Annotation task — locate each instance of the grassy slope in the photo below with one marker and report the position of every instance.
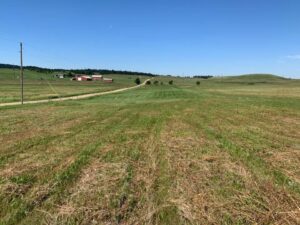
(43, 86)
(254, 85)
(162, 154)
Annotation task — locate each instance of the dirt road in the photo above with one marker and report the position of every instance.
(74, 97)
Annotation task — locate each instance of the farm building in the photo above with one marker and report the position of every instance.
(97, 77)
(108, 80)
(83, 78)
(61, 76)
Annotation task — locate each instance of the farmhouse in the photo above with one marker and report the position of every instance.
(97, 77)
(108, 80)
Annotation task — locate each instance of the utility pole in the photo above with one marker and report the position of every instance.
(21, 74)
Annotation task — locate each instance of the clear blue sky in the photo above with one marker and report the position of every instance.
(182, 37)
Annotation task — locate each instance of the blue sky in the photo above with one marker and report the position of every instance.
(180, 37)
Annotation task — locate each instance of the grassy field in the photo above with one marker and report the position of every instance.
(224, 152)
(45, 86)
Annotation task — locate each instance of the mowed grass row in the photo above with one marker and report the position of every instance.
(161, 154)
(44, 86)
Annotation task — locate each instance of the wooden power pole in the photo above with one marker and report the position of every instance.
(21, 73)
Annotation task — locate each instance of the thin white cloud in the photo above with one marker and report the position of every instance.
(293, 56)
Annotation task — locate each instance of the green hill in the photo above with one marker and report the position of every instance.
(13, 74)
(251, 78)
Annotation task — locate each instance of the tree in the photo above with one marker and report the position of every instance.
(156, 82)
(137, 81)
(171, 82)
(198, 82)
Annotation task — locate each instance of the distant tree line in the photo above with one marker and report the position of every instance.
(103, 71)
(91, 71)
(77, 71)
(8, 66)
(33, 68)
(203, 76)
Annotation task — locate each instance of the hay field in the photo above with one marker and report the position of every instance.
(224, 152)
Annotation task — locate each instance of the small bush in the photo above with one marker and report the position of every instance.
(137, 81)
(148, 82)
(171, 82)
(161, 83)
(156, 82)
(198, 82)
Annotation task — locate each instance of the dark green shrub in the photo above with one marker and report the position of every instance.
(171, 82)
(198, 82)
(137, 81)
